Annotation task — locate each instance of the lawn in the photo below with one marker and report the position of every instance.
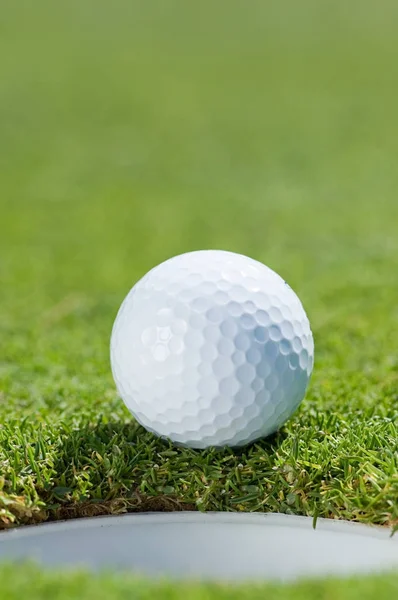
(133, 131)
(36, 585)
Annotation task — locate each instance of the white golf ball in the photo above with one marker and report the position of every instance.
(212, 348)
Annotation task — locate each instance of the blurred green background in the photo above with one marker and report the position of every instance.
(135, 130)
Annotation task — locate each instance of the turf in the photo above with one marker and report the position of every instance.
(135, 131)
(42, 585)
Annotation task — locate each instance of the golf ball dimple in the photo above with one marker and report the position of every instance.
(212, 348)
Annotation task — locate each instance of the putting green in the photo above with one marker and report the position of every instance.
(137, 131)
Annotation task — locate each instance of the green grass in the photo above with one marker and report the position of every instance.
(138, 130)
(42, 585)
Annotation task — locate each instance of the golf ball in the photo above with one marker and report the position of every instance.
(212, 348)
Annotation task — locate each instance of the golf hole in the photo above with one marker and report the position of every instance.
(213, 546)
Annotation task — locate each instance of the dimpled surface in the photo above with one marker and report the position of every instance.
(211, 348)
